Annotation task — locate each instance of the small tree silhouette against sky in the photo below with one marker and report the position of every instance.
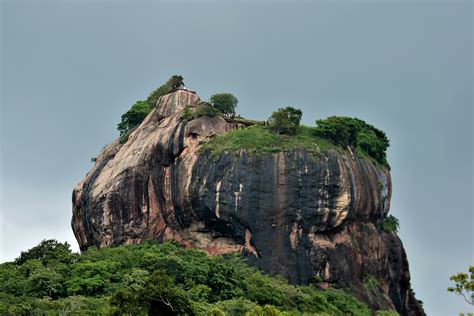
(464, 285)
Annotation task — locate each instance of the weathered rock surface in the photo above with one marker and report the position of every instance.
(291, 213)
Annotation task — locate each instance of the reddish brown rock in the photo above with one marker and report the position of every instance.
(291, 213)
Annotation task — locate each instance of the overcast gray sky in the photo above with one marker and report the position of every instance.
(71, 68)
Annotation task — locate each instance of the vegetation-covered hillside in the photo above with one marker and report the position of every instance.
(155, 279)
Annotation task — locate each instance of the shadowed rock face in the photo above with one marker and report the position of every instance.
(291, 213)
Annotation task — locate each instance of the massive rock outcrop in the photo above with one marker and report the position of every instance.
(306, 217)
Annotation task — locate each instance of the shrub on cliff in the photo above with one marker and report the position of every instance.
(202, 109)
(348, 131)
(225, 103)
(206, 109)
(219, 104)
(171, 85)
(137, 113)
(285, 120)
(390, 224)
(134, 116)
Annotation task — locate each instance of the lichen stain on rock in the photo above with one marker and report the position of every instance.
(291, 213)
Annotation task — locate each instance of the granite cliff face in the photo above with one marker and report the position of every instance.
(292, 213)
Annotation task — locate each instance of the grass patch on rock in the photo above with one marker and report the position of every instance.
(260, 139)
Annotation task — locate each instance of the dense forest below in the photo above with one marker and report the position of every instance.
(156, 279)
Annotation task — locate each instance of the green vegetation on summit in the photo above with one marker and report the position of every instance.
(137, 113)
(282, 131)
(171, 85)
(261, 139)
(225, 103)
(158, 279)
(285, 120)
(220, 104)
(348, 131)
(202, 109)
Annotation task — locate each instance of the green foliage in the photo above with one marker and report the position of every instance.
(347, 131)
(149, 277)
(134, 116)
(266, 310)
(386, 313)
(390, 224)
(464, 285)
(202, 109)
(371, 282)
(123, 138)
(225, 103)
(160, 293)
(13, 279)
(346, 303)
(262, 140)
(46, 251)
(72, 305)
(205, 109)
(188, 114)
(93, 278)
(239, 306)
(341, 130)
(285, 134)
(367, 140)
(171, 85)
(45, 282)
(286, 120)
(137, 113)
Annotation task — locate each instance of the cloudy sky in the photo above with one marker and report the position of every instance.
(70, 69)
